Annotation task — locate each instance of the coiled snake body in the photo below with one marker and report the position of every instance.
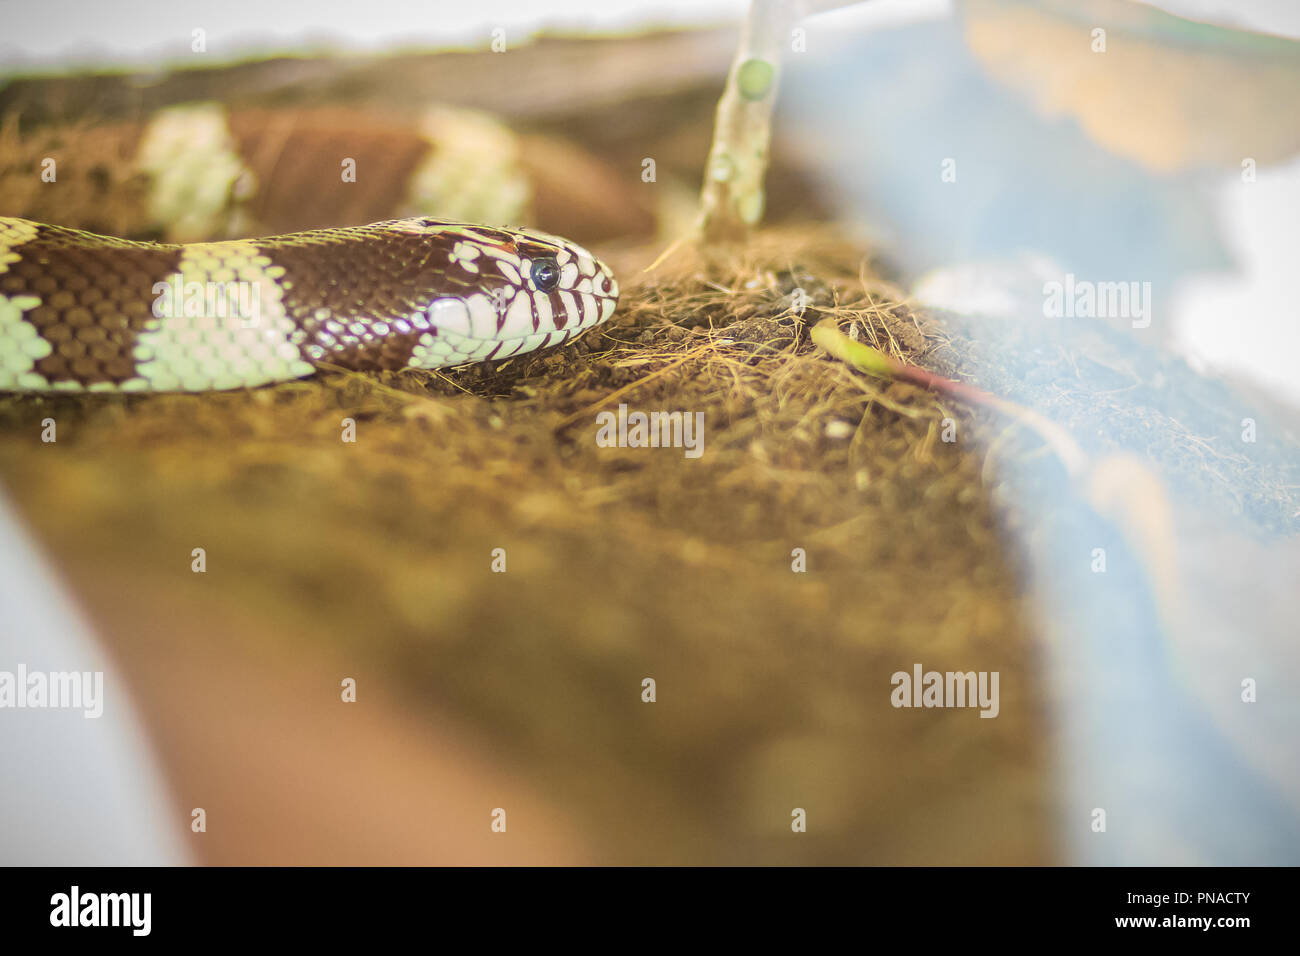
(79, 311)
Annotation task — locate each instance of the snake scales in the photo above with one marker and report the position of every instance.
(81, 311)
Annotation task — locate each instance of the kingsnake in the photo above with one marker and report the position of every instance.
(82, 311)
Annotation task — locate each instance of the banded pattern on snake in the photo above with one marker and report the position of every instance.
(79, 311)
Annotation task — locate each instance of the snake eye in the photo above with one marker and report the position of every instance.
(546, 274)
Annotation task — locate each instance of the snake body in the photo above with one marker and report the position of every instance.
(80, 311)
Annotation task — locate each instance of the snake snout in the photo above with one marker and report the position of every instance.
(604, 282)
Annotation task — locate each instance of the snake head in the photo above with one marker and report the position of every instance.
(522, 290)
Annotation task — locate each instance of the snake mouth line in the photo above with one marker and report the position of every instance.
(444, 347)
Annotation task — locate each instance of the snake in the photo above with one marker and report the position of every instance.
(81, 311)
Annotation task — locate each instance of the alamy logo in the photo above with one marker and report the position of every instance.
(651, 430)
(946, 689)
(216, 300)
(1098, 300)
(103, 909)
(53, 690)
